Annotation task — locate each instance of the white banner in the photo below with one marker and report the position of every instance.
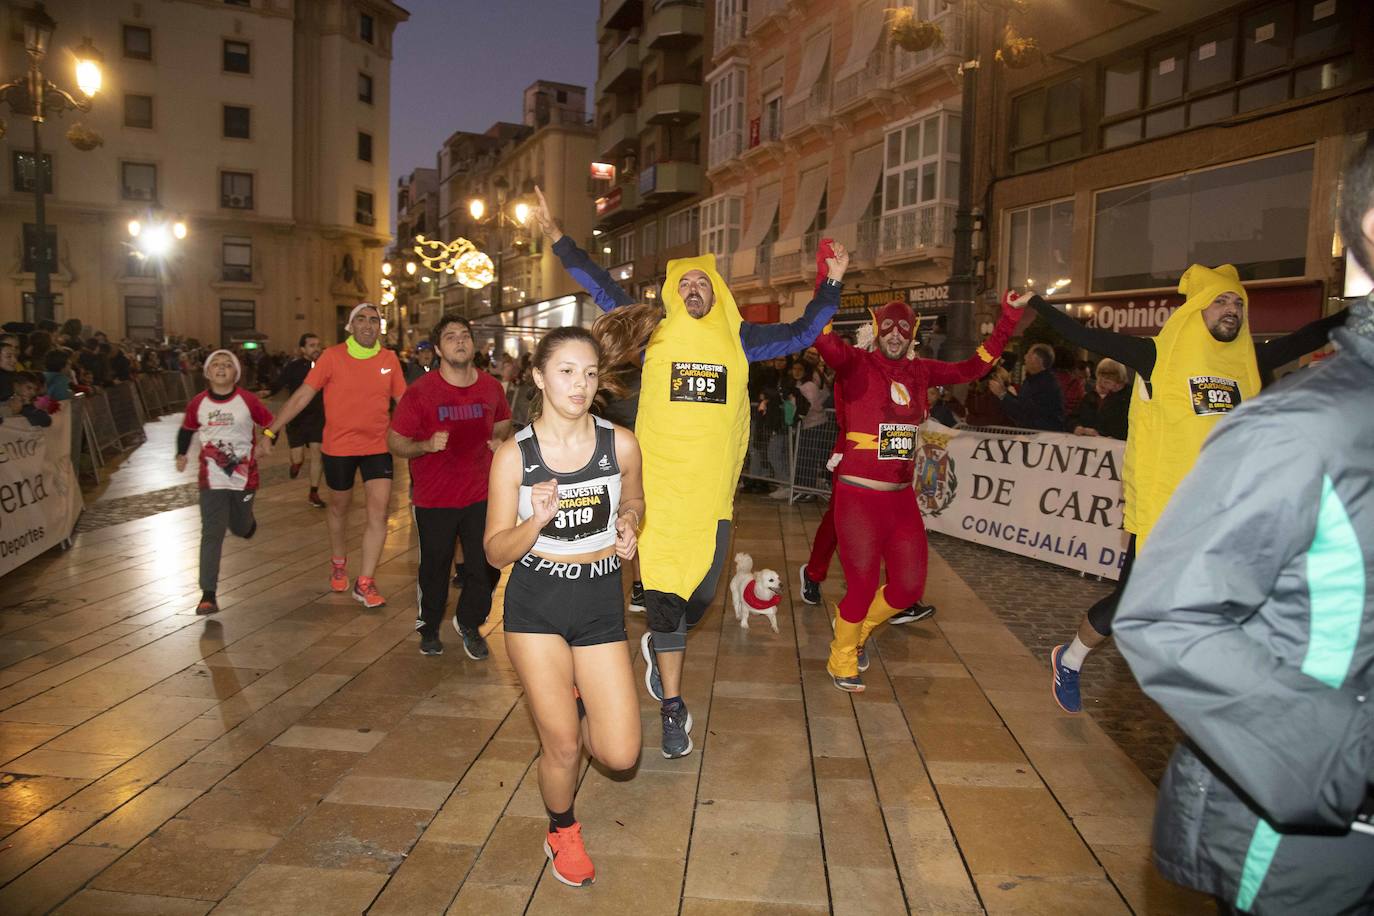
(39, 497)
(1052, 496)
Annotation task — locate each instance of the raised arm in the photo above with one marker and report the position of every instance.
(1136, 353)
(976, 366)
(767, 341)
(1311, 336)
(589, 275)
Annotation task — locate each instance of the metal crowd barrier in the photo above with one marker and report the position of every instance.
(110, 421)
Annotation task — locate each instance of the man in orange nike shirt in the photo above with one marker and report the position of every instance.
(360, 379)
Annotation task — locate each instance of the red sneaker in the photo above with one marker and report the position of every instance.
(569, 857)
(338, 576)
(314, 500)
(365, 591)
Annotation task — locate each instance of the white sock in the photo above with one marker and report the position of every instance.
(1074, 656)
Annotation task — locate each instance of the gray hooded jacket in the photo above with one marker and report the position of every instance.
(1249, 617)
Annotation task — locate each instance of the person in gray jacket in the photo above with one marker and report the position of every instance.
(1250, 620)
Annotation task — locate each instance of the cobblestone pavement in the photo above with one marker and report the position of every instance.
(1042, 604)
(105, 512)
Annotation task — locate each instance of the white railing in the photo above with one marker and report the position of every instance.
(763, 10)
(858, 85)
(729, 31)
(867, 247)
(923, 227)
(786, 265)
(811, 110)
(906, 64)
(725, 147)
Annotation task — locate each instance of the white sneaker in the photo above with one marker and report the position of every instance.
(781, 493)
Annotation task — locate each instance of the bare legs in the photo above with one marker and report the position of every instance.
(377, 493)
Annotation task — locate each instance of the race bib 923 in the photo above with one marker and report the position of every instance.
(1213, 394)
(697, 383)
(896, 441)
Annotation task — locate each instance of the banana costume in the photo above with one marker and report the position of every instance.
(1197, 380)
(693, 430)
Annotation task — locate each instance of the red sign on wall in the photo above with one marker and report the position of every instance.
(609, 203)
(755, 128)
(1273, 310)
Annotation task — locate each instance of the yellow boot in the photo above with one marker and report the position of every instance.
(844, 660)
(878, 613)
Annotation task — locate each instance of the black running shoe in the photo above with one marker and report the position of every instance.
(913, 614)
(473, 643)
(637, 597)
(431, 645)
(810, 588)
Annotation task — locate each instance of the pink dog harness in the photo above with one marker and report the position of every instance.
(756, 603)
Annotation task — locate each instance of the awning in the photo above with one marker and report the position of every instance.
(868, 31)
(865, 171)
(761, 218)
(813, 62)
(810, 189)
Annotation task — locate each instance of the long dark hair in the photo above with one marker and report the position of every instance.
(623, 334)
(549, 345)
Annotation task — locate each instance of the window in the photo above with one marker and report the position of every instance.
(920, 183)
(34, 254)
(720, 224)
(648, 238)
(682, 227)
(364, 146)
(237, 259)
(1047, 125)
(143, 317)
(237, 57)
(236, 190)
(138, 111)
(26, 298)
(238, 122)
(26, 173)
(236, 316)
(727, 116)
(1146, 235)
(364, 88)
(1264, 57)
(138, 181)
(362, 203)
(622, 248)
(138, 42)
(770, 127)
(366, 28)
(1039, 242)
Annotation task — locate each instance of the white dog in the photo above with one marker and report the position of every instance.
(755, 592)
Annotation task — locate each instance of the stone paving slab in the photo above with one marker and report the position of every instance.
(296, 754)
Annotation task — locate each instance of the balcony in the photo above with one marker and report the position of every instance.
(918, 232)
(810, 112)
(867, 248)
(620, 14)
(725, 148)
(761, 12)
(910, 66)
(675, 24)
(671, 103)
(667, 181)
(729, 32)
(785, 267)
(853, 90)
(620, 72)
(619, 206)
(620, 135)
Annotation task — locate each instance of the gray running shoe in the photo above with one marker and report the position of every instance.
(677, 731)
(849, 684)
(652, 682)
(473, 643)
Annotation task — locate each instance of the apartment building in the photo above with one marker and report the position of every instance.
(650, 137)
(418, 305)
(553, 147)
(262, 124)
(820, 127)
(1153, 137)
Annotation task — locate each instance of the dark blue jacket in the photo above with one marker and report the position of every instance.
(760, 341)
(1040, 403)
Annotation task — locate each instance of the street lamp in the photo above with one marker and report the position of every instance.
(34, 96)
(518, 215)
(156, 239)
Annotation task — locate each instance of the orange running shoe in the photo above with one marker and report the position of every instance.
(365, 591)
(338, 576)
(569, 857)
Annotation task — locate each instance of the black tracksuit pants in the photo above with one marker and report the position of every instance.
(439, 530)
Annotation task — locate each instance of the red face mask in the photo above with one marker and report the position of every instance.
(896, 315)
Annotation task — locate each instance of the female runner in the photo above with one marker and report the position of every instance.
(564, 505)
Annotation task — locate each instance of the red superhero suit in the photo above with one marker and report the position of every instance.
(884, 402)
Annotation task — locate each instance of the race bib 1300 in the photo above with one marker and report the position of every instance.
(896, 441)
(697, 383)
(1212, 394)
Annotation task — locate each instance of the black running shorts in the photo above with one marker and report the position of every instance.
(341, 470)
(581, 602)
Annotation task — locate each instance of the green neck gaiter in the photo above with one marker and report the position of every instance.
(358, 351)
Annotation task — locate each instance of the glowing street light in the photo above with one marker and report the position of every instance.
(522, 212)
(386, 269)
(477, 207)
(135, 227)
(411, 268)
(89, 76)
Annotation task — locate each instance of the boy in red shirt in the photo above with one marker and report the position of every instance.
(448, 423)
(227, 418)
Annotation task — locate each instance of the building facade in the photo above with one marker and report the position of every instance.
(651, 137)
(552, 148)
(417, 304)
(262, 124)
(1144, 141)
(821, 127)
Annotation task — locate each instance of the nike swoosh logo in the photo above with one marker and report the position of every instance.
(385, 371)
(531, 468)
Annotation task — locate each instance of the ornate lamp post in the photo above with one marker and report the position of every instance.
(478, 210)
(34, 96)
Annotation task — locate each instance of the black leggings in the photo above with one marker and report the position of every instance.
(1100, 615)
(671, 616)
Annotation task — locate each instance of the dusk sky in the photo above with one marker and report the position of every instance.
(463, 64)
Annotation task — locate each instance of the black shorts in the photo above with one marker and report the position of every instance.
(581, 602)
(299, 435)
(340, 470)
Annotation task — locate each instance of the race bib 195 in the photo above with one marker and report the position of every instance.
(582, 512)
(1212, 394)
(697, 383)
(896, 441)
